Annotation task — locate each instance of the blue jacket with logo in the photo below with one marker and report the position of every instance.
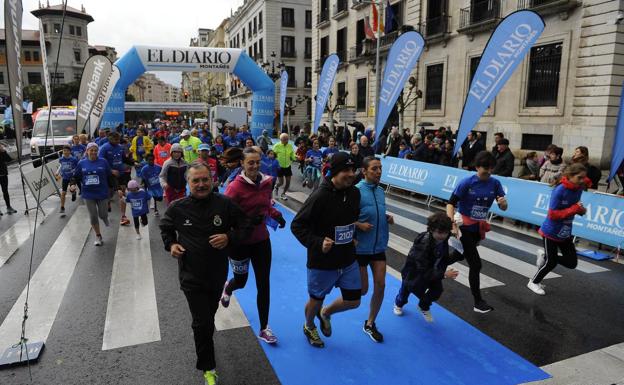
(562, 208)
(373, 211)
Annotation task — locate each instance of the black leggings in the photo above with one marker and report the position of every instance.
(260, 256)
(203, 306)
(470, 240)
(4, 183)
(568, 257)
(143, 219)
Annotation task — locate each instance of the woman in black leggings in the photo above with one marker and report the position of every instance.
(252, 190)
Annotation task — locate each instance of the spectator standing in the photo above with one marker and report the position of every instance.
(550, 172)
(471, 147)
(581, 155)
(504, 159)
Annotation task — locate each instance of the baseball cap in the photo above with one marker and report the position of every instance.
(341, 161)
(133, 184)
(204, 147)
(185, 133)
(504, 141)
(175, 147)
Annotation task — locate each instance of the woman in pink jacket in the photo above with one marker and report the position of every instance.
(252, 191)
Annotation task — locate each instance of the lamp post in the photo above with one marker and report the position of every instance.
(288, 109)
(271, 70)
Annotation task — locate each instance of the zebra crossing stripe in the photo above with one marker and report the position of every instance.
(48, 284)
(132, 312)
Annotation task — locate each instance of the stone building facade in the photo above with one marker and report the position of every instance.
(149, 88)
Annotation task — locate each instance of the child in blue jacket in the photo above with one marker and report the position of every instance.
(139, 203)
(565, 204)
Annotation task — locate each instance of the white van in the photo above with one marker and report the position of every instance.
(62, 128)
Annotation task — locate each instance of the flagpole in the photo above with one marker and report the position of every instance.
(377, 71)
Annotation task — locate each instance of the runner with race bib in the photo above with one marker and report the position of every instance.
(474, 195)
(150, 174)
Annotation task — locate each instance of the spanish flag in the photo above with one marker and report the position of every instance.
(375, 19)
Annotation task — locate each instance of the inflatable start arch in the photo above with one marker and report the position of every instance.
(205, 59)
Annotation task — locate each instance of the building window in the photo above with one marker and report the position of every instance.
(308, 19)
(260, 49)
(536, 142)
(60, 76)
(433, 93)
(292, 81)
(308, 77)
(288, 46)
(77, 76)
(78, 31)
(260, 21)
(361, 95)
(474, 64)
(36, 56)
(324, 47)
(308, 47)
(544, 68)
(249, 29)
(288, 17)
(255, 51)
(255, 25)
(250, 51)
(243, 35)
(27, 56)
(397, 21)
(72, 30)
(341, 44)
(57, 28)
(77, 55)
(34, 78)
(341, 89)
(360, 36)
(45, 28)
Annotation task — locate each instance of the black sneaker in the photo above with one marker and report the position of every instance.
(313, 337)
(372, 332)
(482, 307)
(62, 212)
(325, 323)
(73, 196)
(11, 210)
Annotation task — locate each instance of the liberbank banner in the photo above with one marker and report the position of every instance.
(505, 50)
(194, 59)
(528, 201)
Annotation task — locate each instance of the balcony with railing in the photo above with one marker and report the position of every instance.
(289, 54)
(359, 53)
(549, 7)
(291, 83)
(322, 19)
(340, 9)
(482, 15)
(342, 56)
(436, 29)
(386, 41)
(359, 5)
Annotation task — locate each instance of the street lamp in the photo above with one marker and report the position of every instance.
(288, 109)
(217, 92)
(273, 74)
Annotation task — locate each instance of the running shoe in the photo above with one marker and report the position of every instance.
(541, 258)
(267, 336)
(397, 310)
(210, 376)
(225, 299)
(138, 237)
(124, 221)
(305, 183)
(427, 315)
(156, 213)
(372, 332)
(325, 323)
(482, 307)
(313, 337)
(74, 196)
(284, 197)
(109, 207)
(62, 212)
(11, 210)
(98, 240)
(536, 288)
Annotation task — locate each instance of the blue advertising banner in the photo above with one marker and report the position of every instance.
(617, 152)
(401, 61)
(505, 50)
(528, 201)
(283, 85)
(325, 83)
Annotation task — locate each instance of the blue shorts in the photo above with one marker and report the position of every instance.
(321, 282)
(155, 192)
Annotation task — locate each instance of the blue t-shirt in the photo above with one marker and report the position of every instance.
(113, 155)
(317, 158)
(476, 196)
(561, 198)
(328, 152)
(219, 148)
(403, 153)
(139, 202)
(78, 150)
(101, 141)
(269, 166)
(243, 136)
(231, 142)
(132, 132)
(150, 176)
(93, 176)
(205, 139)
(139, 145)
(67, 167)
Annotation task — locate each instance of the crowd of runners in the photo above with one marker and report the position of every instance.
(343, 224)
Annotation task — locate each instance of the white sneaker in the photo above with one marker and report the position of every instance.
(536, 288)
(98, 240)
(138, 237)
(541, 258)
(284, 197)
(397, 310)
(427, 315)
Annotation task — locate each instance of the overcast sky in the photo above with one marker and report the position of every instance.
(124, 23)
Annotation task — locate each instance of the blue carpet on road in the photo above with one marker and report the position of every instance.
(449, 351)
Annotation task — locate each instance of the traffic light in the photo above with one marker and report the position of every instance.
(186, 94)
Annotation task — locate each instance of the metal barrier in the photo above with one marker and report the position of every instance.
(40, 180)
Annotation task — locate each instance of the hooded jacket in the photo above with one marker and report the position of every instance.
(321, 213)
(254, 198)
(373, 211)
(190, 222)
(173, 174)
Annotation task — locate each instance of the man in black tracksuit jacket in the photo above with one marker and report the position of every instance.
(325, 225)
(199, 231)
